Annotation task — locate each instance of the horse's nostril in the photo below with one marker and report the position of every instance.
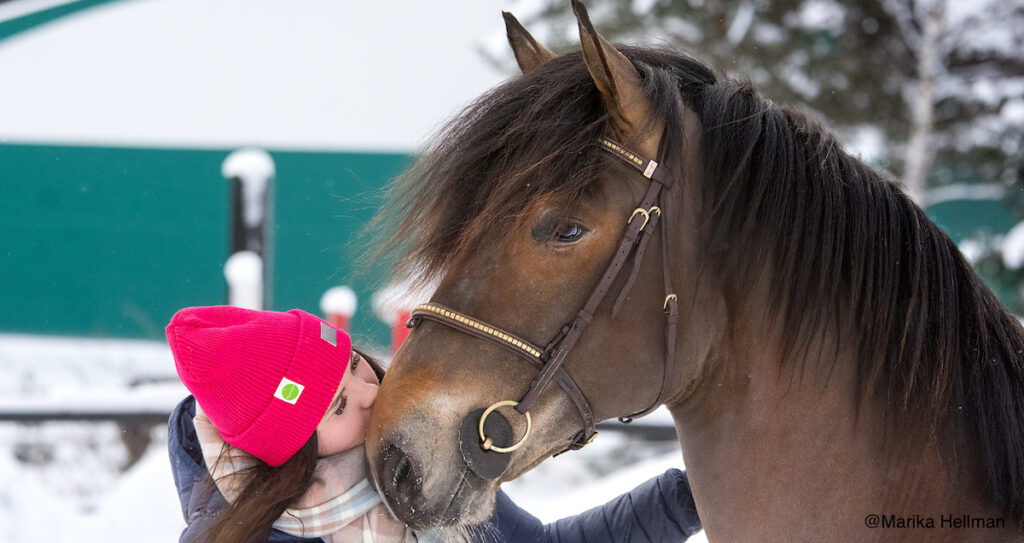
(401, 480)
(402, 470)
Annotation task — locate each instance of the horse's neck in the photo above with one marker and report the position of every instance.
(786, 457)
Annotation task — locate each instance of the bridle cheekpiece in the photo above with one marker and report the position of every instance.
(487, 458)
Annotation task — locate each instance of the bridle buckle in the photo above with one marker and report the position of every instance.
(669, 298)
(640, 211)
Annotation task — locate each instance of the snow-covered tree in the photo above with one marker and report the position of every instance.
(932, 90)
(933, 80)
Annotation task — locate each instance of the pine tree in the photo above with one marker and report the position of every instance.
(858, 64)
(939, 84)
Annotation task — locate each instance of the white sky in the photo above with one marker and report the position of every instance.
(309, 74)
(12, 9)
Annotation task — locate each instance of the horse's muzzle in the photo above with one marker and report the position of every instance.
(452, 501)
(400, 481)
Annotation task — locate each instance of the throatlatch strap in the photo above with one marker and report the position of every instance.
(671, 303)
(671, 308)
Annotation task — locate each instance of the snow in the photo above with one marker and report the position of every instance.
(643, 6)
(393, 300)
(959, 12)
(244, 273)
(768, 33)
(865, 142)
(82, 495)
(820, 14)
(1013, 111)
(991, 92)
(254, 168)
(35, 366)
(963, 191)
(1013, 247)
(685, 29)
(142, 502)
(148, 484)
(740, 23)
(149, 398)
(573, 473)
(76, 473)
(339, 301)
(974, 249)
(984, 33)
(797, 77)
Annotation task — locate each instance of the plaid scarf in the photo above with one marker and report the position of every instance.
(340, 506)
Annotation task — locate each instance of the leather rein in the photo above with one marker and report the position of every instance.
(551, 358)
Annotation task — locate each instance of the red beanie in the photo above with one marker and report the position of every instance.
(264, 378)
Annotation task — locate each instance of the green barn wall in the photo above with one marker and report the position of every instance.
(109, 242)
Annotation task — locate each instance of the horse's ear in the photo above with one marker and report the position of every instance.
(529, 52)
(618, 80)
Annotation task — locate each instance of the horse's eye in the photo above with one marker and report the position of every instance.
(554, 229)
(568, 232)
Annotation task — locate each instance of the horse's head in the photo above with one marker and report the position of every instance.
(819, 329)
(519, 210)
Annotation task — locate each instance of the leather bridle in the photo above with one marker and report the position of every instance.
(550, 359)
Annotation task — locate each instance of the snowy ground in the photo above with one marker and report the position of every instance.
(68, 481)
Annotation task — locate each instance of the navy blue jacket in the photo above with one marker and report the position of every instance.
(660, 510)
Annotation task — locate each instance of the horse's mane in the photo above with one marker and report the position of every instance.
(845, 247)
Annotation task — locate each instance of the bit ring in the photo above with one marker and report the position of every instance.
(487, 443)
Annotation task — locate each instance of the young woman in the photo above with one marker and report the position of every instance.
(269, 447)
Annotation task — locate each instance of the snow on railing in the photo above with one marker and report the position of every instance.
(150, 403)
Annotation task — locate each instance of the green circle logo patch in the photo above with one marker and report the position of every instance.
(290, 392)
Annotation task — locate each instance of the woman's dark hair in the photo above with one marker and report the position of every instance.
(267, 491)
(377, 366)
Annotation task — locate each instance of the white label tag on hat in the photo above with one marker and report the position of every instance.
(328, 334)
(288, 391)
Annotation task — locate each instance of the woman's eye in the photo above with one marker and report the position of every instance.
(341, 405)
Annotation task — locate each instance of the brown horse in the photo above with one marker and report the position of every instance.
(837, 373)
